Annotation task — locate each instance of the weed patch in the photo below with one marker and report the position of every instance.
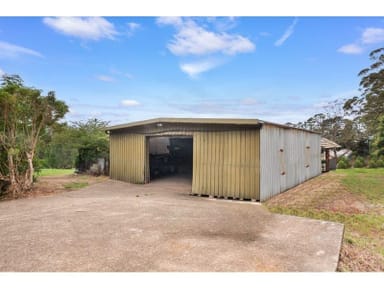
(75, 185)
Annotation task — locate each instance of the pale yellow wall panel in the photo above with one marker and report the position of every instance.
(244, 161)
(220, 179)
(226, 164)
(127, 157)
(238, 163)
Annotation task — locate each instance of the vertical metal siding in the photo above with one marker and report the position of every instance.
(128, 157)
(226, 164)
(287, 158)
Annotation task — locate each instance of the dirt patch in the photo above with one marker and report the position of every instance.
(325, 192)
(357, 259)
(57, 184)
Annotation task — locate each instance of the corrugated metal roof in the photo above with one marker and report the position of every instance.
(188, 121)
(215, 121)
(328, 144)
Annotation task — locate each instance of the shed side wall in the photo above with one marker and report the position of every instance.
(226, 164)
(127, 157)
(288, 157)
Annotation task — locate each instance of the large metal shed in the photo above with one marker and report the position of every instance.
(232, 158)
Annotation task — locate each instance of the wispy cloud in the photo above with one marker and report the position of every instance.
(176, 21)
(372, 36)
(119, 73)
(193, 39)
(369, 36)
(249, 101)
(8, 50)
(85, 28)
(105, 78)
(223, 23)
(288, 33)
(128, 75)
(193, 69)
(117, 112)
(129, 103)
(1, 72)
(132, 27)
(350, 49)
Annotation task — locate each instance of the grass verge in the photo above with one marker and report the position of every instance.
(366, 182)
(354, 197)
(55, 172)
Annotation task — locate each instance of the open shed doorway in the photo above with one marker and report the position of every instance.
(171, 157)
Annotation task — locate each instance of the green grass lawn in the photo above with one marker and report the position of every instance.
(367, 182)
(333, 198)
(55, 172)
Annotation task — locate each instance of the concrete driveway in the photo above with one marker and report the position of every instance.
(116, 226)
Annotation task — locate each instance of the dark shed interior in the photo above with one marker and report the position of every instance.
(169, 156)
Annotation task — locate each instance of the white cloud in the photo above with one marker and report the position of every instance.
(192, 39)
(129, 103)
(372, 35)
(287, 33)
(369, 36)
(105, 78)
(176, 21)
(8, 50)
(86, 28)
(132, 27)
(1, 72)
(350, 49)
(194, 69)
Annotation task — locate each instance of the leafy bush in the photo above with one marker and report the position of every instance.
(343, 163)
(380, 162)
(359, 162)
(372, 163)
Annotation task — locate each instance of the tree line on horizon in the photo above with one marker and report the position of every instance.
(356, 123)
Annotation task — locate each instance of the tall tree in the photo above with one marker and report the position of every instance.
(369, 107)
(24, 114)
(378, 140)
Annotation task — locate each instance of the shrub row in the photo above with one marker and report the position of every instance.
(360, 162)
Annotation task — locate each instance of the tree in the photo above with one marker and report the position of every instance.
(93, 140)
(58, 146)
(333, 124)
(24, 114)
(378, 140)
(79, 143)
(369, 107)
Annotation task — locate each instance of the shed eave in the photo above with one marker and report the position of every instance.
(328, 144)
(219, 121)
(214, 121)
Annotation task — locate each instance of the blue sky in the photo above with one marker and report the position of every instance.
(122, 69)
